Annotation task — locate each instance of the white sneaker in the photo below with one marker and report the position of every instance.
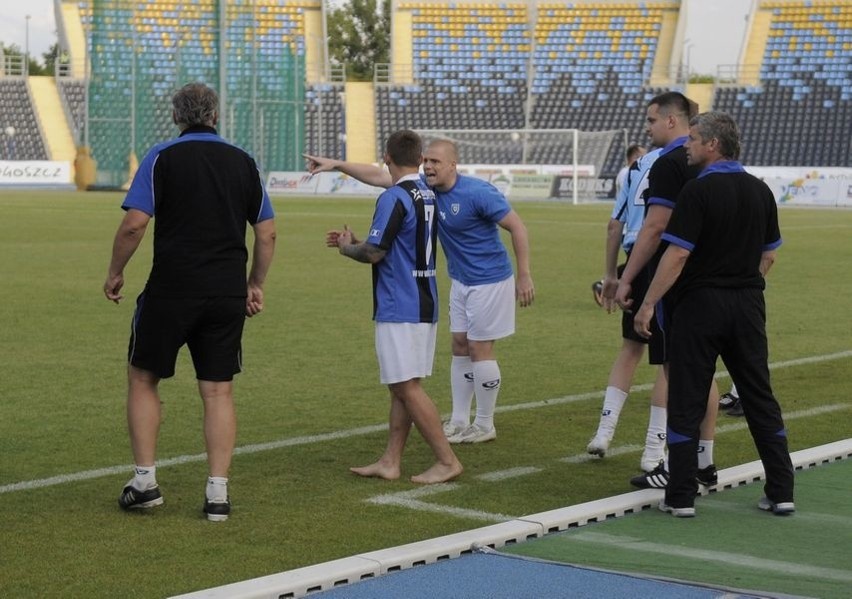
(474, 434)
(677, 512)
(781, 509)
(598, 445)
(452, 428)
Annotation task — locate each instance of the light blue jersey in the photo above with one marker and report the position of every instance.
(467, 227)
(630, 204)
(404, 288)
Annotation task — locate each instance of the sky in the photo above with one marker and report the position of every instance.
(714, 37)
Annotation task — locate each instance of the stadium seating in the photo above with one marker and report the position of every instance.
(482, 66)
(16, 111)
(73, 95)
(325, 127)
(801, 114)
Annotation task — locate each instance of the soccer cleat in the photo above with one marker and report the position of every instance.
(784, 508)
(598, 445)
(217, 510)
(677, 512)
(132, 498)
(452, 429)
(474, 434)
(597, 292)
(657, 478)
(707, 476)
(728, 400)
(736, 409)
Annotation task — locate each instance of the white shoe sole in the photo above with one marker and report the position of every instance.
(677, 512)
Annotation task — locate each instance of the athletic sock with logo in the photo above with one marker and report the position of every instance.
(144, 478)
(705, 453)
(614, 399)
(217, 488)
(461, 385)
(486, 384)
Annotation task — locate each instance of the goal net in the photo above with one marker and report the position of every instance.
(578, 158)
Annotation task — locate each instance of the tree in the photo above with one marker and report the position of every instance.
(14, 51)
(359, 37)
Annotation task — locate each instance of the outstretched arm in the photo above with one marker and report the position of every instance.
(365, 173)
(127, 239)
(524, 288)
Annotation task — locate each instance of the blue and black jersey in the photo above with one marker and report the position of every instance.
(404, 287)
(201, 192)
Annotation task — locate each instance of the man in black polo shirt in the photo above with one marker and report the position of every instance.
(718, 309)
(202, 192)
(667, 124)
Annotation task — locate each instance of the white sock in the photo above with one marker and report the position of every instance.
(614, 399)
(486, 384)
(733, 390)
(705, 453)
(461, 385)
(656, 435)
(144, 478)
(217, 488)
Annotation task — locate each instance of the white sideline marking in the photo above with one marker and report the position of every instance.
(354, 432)
(734, 559)
(507, 474)
(408, 499)
(815, 517)
(404, 498)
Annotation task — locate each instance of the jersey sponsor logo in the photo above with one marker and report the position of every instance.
(423, 274)
(443, 214)
(375, 232)
(455, 208)
(491, 384)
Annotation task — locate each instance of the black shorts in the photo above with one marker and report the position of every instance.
(637, 294)
(212, 328)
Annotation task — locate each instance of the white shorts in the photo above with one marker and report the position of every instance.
(484, 312)
(406, 350)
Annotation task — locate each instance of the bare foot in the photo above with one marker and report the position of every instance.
(377, 470)
(438, 473)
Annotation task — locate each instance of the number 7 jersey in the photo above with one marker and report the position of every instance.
(404, 287)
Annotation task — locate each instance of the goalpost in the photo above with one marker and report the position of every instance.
(569, 153)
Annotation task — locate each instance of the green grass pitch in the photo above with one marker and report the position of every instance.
(310, 370)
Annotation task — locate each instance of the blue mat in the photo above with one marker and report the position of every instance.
(491, 575)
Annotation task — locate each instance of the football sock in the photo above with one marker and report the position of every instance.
(144, 478)
(461, 385)
(486, 383)
(705, 453)
(614, 399)
(217, 488)
(656, 437)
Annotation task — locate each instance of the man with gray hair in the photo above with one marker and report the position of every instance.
(717, 309)
(202, 192)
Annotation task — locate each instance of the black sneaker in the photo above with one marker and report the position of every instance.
(132, 498)
(707, 476)
(736, 409)
(217, 511)
(657, 478)
(728, 400)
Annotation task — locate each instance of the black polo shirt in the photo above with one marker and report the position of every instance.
(201, 192)
(726, 218)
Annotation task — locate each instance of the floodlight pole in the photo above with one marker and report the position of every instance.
(223, 71)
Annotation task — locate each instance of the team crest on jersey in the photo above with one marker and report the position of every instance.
(455, 208)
